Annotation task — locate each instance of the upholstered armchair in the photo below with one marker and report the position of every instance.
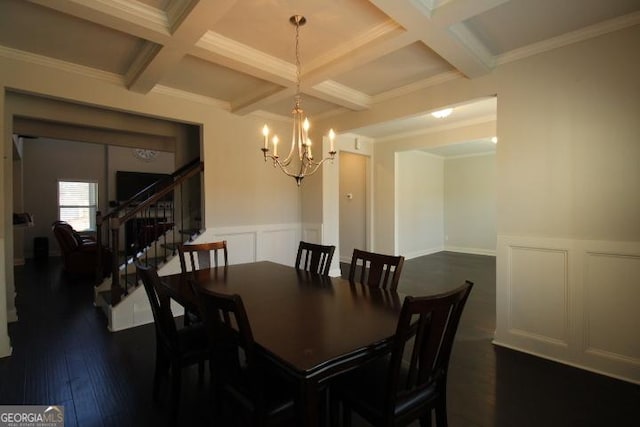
(79, 253)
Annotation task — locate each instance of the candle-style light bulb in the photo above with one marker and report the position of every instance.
(265, 132)
(309, 155)
(332, 137)
(305, 131)
(275, 141)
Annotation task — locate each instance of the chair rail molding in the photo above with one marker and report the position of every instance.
(572, 301)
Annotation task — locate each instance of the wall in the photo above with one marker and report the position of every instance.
(568, 204)
(45, 162)
(240, 189)
(568, 248)
(470, 204)
(419, 203)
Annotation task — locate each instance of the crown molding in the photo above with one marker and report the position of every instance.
(190, 96)
(464, 36)
(441, 128)
(356, 99)
(132, 11)
(231, 49)
(572, 37)
(46, 61)
(271, 117)
(177, 10)
(419, 85)
(385, 29)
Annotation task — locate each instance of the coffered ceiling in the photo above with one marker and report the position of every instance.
(239, 54)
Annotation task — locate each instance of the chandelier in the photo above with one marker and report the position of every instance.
(299, 162)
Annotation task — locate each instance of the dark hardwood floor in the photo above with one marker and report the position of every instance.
(63, 354)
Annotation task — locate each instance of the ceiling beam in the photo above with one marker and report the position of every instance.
(187, 27)
(426, 25)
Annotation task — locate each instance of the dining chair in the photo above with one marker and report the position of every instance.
(314, 258)
(175, 348)
(198, 256)
(377, 270)
(202, 255)
(241, 375)
(391, 391)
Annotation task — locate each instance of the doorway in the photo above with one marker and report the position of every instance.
(353, 203)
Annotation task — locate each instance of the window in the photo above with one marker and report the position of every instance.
(77, 204)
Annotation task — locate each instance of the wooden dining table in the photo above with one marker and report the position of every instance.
(311, 327)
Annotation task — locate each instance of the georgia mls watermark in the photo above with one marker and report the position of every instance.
(31, 416)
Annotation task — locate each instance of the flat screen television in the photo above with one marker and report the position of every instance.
(128, 184)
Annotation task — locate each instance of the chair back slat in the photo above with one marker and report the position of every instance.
(202, 255)
(377, 270)
(314, 258)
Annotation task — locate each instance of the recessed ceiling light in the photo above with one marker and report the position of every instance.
(494, 139)
(441, 114)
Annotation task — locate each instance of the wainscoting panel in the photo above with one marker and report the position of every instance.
(271, 242)
(611, 295)
(280, 245)
(572, 301)
(312, 233)
(538, 284)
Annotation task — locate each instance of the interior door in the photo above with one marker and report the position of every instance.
(353, 204)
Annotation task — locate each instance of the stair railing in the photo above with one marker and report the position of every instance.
(141, 207)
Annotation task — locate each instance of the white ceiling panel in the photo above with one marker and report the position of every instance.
(399, 68)
(519, 23)
(204, 78)
(240, 53)
(30, 28)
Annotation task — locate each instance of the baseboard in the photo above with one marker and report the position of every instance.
(417, 254)
(565, 362)
(471, 251)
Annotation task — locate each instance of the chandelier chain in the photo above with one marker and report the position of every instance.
(298, 64)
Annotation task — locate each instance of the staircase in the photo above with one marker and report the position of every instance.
(146, 228)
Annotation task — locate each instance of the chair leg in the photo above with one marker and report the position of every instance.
(334, 411)
(162, 365)
(441, 412)
(346, 415)
(425, 420)
(200, 373)
(176, 379)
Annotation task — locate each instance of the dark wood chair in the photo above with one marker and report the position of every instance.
(197, 256)
(175, 348)
(202, 255)
(242, 376)
(315, 258)
(392, 392)
(377, 270)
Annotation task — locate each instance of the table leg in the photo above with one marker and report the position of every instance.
(307, 405)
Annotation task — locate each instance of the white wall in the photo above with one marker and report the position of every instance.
(568, 248)
(568, 204)
(419, 203)
(445, 204)
(470, 204)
